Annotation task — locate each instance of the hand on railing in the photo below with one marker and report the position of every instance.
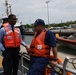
(53, 63)
(27, 48)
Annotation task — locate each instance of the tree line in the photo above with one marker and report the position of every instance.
(52, 25)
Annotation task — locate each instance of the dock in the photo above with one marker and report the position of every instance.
(61, 32)
(64, 32)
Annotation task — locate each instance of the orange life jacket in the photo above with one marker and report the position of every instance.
(37, 47)
(11, 39)
(5, 24)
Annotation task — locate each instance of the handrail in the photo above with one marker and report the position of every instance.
(66, 69)
(65, 65)
(62, 67)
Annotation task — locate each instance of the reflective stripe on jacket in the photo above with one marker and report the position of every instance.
(37, 47)
(11, 39)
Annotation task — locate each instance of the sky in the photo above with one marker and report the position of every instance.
(28, 11)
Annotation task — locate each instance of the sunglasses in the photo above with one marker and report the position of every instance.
(14, 19)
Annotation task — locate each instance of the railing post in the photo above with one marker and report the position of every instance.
(21, 64)
(65, 65)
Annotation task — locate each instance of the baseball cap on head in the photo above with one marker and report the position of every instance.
(5, 19)
(39, 22)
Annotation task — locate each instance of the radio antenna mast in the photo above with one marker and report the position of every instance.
(10, 9)
(6, 4)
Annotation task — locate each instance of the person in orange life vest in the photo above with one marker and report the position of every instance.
(40, 48)
(5, 22)
(10, 40)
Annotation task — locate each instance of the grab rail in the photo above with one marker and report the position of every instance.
(62, 67)
(25, 56)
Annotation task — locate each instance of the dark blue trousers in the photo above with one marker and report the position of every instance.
(10, 61)
(37, 65)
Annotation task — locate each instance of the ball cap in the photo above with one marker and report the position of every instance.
(39, 22)
(5, 19)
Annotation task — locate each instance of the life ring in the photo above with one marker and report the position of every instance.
(47, 70)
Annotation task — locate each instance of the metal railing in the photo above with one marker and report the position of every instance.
(24, 56)
(63, 67)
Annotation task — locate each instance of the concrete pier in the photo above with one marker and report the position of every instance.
(61, 32)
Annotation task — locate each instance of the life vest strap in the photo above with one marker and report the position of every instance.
(32, 46)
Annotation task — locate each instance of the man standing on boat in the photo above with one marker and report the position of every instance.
(41, 45)
(10, 40)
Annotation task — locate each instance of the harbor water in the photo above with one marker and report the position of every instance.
(27, 38)
(61, 48)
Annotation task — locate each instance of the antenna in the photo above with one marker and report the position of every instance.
(10, 8)
(6, 4)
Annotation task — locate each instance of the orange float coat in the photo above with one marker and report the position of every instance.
(5, 24)
(11, 39)
(37, 47)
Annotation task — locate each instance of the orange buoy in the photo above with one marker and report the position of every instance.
(56, 35)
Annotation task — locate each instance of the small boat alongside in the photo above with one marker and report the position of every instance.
(69, 41)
